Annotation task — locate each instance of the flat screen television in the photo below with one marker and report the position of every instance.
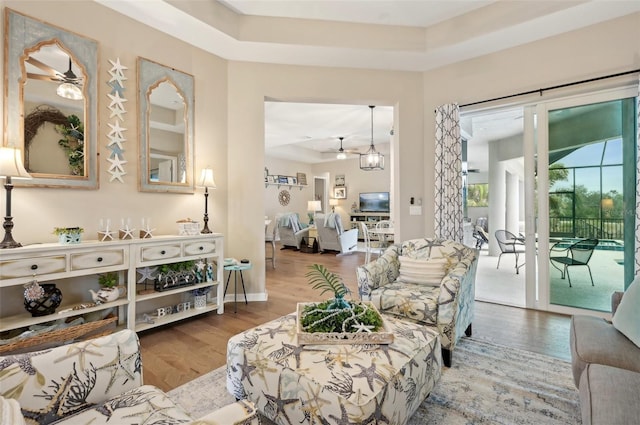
(374, 202)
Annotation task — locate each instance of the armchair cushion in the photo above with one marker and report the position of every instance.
(425, 272)
(627, 316)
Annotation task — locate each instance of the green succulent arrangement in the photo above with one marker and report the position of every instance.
(335, 314)
(108, 280)
(67, 230)
(182, 266)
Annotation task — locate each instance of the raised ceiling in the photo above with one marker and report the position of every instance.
(410, 35)
(407, 35)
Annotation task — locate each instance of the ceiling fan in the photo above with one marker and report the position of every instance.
(342, 153)
(52, 74)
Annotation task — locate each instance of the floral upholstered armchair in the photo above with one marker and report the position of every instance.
(97, 381)
(427, 281)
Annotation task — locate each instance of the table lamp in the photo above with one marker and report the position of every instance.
(10, 166)
(312, 207)
(334, 203)
(206, 181)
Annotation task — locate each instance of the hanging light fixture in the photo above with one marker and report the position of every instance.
(341, 154)
(372, 160)
(67, 89)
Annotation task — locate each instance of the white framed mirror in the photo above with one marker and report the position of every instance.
(165, 116)
(51, 106)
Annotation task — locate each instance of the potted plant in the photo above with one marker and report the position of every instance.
(109, 288)
(337, 320)
(68, 235)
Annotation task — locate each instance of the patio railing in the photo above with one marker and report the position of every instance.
(568, 227)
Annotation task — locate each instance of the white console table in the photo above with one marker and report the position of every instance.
(75, 268)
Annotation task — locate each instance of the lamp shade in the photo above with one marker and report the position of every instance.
(69, 91)
(333, 202)
(314, 205)
(11, 163)
(206, 178)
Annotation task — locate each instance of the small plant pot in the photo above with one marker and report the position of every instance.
(69, 238)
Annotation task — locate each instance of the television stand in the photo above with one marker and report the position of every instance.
(370, 219)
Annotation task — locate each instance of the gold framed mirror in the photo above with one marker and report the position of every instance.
(165, 117)
(51, 104)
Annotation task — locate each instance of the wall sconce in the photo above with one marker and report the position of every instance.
(10, 166)
(206, 181)
(334, 203)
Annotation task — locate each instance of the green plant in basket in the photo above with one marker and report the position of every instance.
(336, 314)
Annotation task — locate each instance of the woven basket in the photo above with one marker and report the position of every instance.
(61, 336)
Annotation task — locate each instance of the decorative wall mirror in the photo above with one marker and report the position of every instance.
(51, 105)
(165, 116)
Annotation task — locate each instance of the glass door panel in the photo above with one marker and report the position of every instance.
(585, 202)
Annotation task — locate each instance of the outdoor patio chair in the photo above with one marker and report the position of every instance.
(480, 236)
(510, 244)
(577, 254)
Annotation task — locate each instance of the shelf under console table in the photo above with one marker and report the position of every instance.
(74, 269)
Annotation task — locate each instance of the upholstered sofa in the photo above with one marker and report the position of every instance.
(606, 365)
(291, 230)
(427, 281)
(333, 237)
(97, 381)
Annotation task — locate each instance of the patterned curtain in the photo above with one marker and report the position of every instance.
(637, 271)
(448, 174)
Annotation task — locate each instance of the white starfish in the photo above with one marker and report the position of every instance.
(360, 327)
(116, 140)
(116, 129)
(116, 100)
(117, 111)
(200, 265)
(115, 76)
(147, 273)
(127, 233)
(117, 175)
(117, 66)
(107, 235)
(116, 163)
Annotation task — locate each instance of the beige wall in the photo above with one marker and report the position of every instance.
(36, 210)
(229, 128)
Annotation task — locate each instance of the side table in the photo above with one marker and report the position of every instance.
(234, 269)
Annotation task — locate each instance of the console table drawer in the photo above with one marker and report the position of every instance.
(37, 266)
(200, 248)
(96, 259)
(160, 252)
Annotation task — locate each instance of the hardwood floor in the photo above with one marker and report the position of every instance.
(175, 354)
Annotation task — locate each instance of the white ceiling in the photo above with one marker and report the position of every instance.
(409, 35)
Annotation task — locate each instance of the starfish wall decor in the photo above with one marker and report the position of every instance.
(117, 109)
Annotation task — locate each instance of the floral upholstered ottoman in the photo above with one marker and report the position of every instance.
(333, 384)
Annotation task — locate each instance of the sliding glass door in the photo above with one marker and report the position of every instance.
(563, 179)
(586, 166)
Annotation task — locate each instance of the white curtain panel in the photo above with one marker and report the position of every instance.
(638, 187)
(448, 174)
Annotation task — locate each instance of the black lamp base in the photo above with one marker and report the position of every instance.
(8, 241)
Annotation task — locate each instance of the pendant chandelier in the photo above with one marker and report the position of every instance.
(371, 160)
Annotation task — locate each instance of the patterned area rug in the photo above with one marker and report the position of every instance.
(488, 384)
